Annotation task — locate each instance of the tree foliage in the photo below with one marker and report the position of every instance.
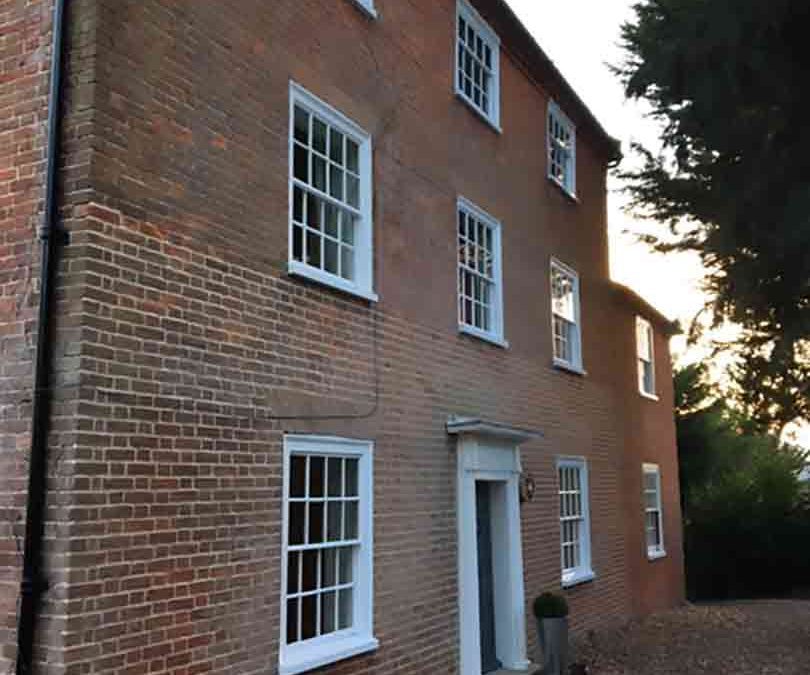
(729, 81)
(745, 510)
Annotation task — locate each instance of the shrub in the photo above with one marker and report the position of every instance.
(550, 606)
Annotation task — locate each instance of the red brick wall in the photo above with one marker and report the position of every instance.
(183, 334)
(24, 53)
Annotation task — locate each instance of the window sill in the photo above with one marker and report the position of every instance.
(569, 367)
(570, 195)
(299, 269)
(656, 554)
(577, 578)
(649, 397)
(482, 335)
(478, 113)
(323, 651)
(369, 11)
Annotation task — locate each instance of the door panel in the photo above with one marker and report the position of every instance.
(486, 586)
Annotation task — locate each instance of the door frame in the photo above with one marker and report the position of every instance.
(490, 453)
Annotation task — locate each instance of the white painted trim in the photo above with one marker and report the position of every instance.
(479, 427)
(575, 366)
(470, 14)
(555, 111)
(496, 336)
(585, 571)
(363, 285)
(309, 654)
(497, 461)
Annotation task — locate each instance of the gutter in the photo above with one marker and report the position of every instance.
(33, 583)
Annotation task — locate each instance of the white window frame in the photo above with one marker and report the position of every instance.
(363, 284)
(584, 571)
(367, 6)
(496, 335)
(466, 12)
(575, 364)
(569, 183)
(316, 652)
(642, 325)
(657, 551)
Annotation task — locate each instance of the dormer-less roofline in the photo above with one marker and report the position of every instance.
(519, 43)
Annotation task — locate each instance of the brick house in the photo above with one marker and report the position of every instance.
(337, 376)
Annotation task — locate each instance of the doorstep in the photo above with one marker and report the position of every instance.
(530, 671)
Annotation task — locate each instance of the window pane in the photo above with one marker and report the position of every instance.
(298, 473)
(335, 181)
(335, 473)
(351, 477)
(292, 571)
(350, 521)
(352, 156)
(334, 521)
(301, 163)
(330, 258)
(345, 609)
(296, 524)
(298, 205)
(309, 617)
(328, 613)
(292, 621)
(301, 125)
(329, 568)
(314, 206)
(319, 136)
(316, 523)
(316, 476)
(332, 221)
(309, 576)
(346, 564)
(313, 249)
(352, 191)
(347, 263)
(319, 173)
(336, 146)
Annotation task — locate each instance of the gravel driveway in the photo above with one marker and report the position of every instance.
(743, 638)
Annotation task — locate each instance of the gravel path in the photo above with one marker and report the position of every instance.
(743, 638)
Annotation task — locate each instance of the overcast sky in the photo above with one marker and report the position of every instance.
(582, 37)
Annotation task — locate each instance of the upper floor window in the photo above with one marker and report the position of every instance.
(367, 6)
(565, 314)
(330, 196)
(327, 559)
(479, 273)
(653, 513)
(575, 527)
(562, 142)
(478, 64)
(645, 357)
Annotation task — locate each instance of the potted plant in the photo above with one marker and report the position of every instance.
(551, 612)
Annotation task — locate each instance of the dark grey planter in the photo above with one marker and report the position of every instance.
(553, 637)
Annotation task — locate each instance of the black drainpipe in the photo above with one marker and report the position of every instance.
(33, 583)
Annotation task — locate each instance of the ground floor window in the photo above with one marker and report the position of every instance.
(653, 513)
(327, 565)
(575, 530)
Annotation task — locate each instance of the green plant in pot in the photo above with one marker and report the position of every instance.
(551, 612)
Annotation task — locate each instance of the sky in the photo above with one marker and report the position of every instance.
(671, 282)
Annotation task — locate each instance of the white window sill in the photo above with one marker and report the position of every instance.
(644, 394)
(478, 112)
(571, 195)
(319, 276)
(322, 651)
(656, 554)
(483, 335)
(577, 577)
(570, 367)
(367, 9)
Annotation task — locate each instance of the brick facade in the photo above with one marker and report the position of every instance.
(181, 338)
